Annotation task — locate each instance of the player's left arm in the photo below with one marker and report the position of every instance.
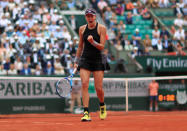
(102, 30)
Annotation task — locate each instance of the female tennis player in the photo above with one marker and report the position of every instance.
(90, 59)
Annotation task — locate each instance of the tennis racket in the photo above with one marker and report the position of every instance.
(64, 85)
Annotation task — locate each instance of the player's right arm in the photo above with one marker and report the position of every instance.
(80, 45)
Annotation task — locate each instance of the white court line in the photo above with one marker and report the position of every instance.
(67, 124)
(4, 121)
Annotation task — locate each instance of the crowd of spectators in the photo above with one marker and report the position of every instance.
(34, 39)
(161, 39)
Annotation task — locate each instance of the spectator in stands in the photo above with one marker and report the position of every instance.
(12, 70)
(2, 51)
(38, 71)
(185, 10)
(2, 70)
(129, 6)
(128, 46)
(124, 40)
(35, 57)
(170, 47)
(54, 17)
(147, 42)
(135, 52)
(59, 69)
(156, 32)
(23, 38)
(153, 93)
(155, 23)
(108, 55)
(179, 20)
(26, 70)
(108, 16)
(112, 2)
(7, 63)
(139, 4)
(179, 51)
(71, 68)
(163, 3)
(174, 41)
(3, 21)
(159, 45)
(135, 42)
(145, 13)
(135, 10)
(172, 30)
(36, 16)
(118, 46)
(66, 34)
(18, 64)
(121, 27)
(72, 48)
(137, 35)
(119, 9)
(148, 3)
(113, 22)
(63, 6)
(179, 7)
(101, 6)
(73, 22)
(154, 42)
(79, 5)
(71, 4)
(185, 20)
(155, 4)
(164, 32)
(165, 41)
(94, 4)
(49, 70)
(68, 63)
(179, 34)
(146, 52)
(128, 18)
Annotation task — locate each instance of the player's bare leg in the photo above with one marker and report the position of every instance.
(98, 81)
(85, 75)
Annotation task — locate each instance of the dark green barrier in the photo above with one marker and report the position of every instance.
(164, 63)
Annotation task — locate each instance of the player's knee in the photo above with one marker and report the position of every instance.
(85, 85)
(99, 90)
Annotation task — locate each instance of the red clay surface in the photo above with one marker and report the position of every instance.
(116, 121)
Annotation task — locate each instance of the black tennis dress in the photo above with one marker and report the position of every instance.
(92, 58)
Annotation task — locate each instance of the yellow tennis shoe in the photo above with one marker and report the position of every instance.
(86, 117)
(103, 112)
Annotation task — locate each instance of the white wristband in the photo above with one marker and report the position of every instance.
(76, 60)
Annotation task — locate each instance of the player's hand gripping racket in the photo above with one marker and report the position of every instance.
(64, 85)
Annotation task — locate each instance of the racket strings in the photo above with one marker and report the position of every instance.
(63, 87)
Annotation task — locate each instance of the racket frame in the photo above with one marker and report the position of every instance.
(70, 80)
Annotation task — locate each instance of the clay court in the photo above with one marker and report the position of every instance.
(116, 121)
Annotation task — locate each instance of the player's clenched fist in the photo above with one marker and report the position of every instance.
(90, 39)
